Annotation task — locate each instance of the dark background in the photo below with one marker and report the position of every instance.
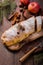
(12, 58)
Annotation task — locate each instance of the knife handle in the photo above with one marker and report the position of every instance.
(27, 54)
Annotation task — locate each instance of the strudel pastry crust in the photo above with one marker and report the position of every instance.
(15, 35)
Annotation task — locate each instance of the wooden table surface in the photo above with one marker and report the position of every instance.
(12, 58)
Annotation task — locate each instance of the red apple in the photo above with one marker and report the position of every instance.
(25, 2)
(33, 7)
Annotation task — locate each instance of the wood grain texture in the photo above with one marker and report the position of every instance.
(12, 58)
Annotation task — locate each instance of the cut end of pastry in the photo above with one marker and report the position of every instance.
(3, 38)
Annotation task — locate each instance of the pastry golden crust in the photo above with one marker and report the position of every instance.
(22, 31)
(16, 33)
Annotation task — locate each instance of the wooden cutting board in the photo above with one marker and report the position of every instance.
(12, 58)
